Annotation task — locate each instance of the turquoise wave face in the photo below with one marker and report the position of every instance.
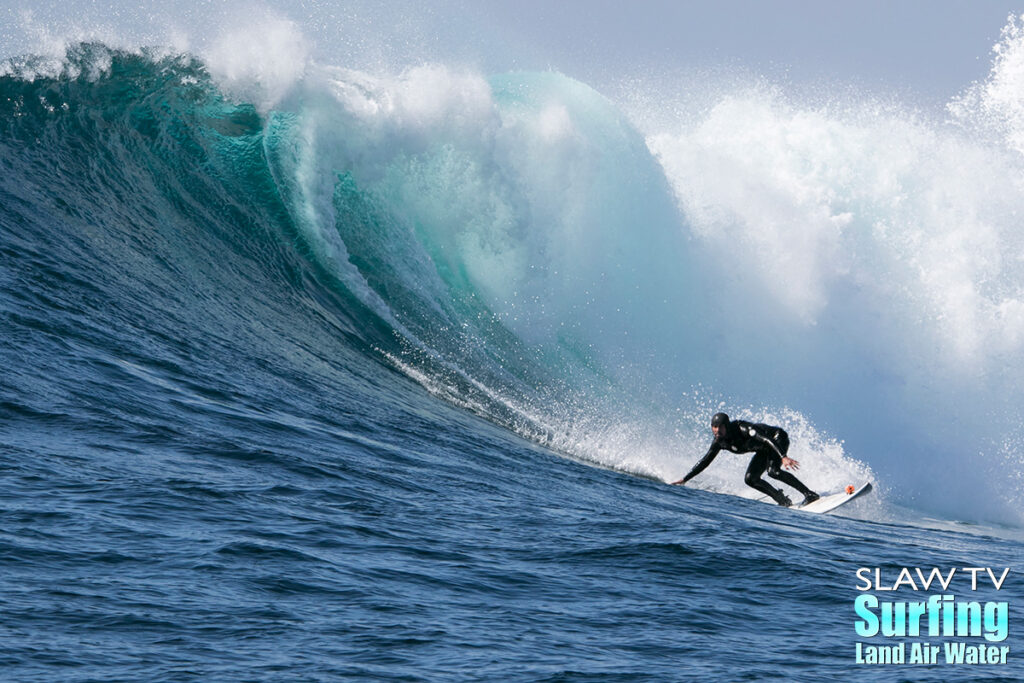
(206, 206)
(515, 233)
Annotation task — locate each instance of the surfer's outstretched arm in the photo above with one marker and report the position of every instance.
(702, 465)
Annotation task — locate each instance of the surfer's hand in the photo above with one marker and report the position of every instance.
(790, 463)
(681, 481)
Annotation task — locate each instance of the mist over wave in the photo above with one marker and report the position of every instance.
(850, 269)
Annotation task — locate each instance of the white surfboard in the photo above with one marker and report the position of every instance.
(831, 502)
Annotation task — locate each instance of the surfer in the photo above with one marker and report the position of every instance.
(769, 446)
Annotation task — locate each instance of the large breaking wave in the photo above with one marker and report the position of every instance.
(526, 248)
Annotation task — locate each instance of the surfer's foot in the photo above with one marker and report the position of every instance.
(810, 498)
(784, 500)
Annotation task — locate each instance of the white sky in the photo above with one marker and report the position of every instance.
(934, 48)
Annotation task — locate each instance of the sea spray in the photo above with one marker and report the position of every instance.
(876, 253)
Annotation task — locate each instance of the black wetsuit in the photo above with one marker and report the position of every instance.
(768, 444)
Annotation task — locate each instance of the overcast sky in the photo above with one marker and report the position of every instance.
(928, 45)
(932, 47)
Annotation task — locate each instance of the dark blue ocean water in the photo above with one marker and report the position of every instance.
(220, 461)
